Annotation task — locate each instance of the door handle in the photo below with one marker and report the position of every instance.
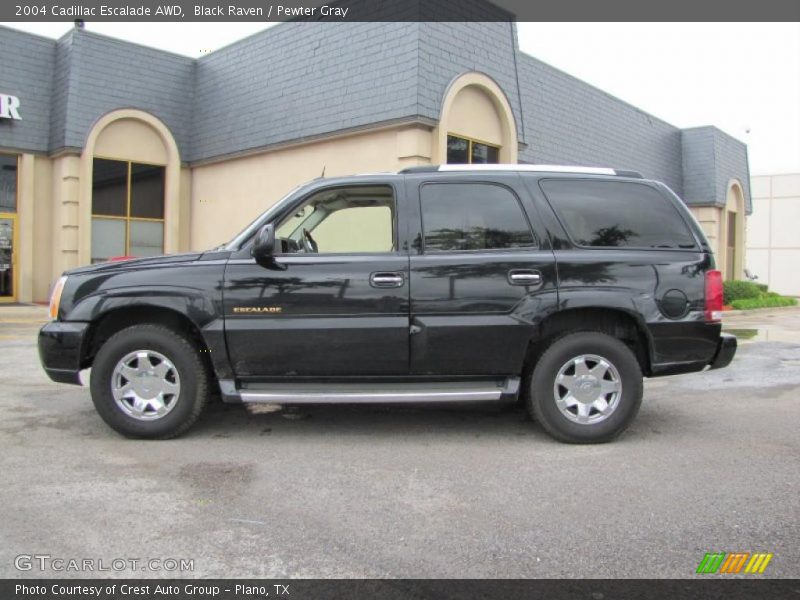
(386, 280)
(524, 277)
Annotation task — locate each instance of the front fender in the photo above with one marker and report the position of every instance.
(196, 306)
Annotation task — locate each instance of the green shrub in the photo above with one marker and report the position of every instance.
(741, 290)
(763, 302)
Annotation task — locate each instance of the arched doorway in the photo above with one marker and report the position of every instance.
(732, 259)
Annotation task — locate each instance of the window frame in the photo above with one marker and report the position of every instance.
(535, 245)
(396, 242)
(697, 245)
(128, 194)
(470, 141)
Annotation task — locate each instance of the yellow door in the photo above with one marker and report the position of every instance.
(8, 257)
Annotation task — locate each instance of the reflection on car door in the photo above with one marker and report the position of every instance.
(320, 315)
(479, 279)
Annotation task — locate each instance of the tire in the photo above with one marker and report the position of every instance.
(591, 368)
(167, 375)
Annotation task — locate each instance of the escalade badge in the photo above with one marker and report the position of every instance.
(257, 309)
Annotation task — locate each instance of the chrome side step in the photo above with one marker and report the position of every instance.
(374, 393)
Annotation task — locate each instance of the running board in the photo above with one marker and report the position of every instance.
(372, 393)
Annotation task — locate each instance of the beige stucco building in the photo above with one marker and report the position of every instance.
(112, 149)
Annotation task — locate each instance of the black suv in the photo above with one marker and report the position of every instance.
(558, 286)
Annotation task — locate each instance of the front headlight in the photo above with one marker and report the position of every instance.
(55, 297)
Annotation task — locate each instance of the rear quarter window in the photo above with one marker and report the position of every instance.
(617, 214)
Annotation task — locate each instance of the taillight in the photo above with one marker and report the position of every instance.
(713, 296)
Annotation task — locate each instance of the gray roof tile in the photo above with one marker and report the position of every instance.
(303, 79)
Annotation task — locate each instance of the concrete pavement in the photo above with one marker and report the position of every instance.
(712, 463)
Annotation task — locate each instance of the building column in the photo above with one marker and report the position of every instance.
(414, 147)
(185, 210)
(66, 180)
(710, 218)
(24, 241)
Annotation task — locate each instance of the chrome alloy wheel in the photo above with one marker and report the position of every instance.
(587, 389)
(145, 385)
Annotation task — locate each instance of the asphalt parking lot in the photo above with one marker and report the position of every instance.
(711, 464)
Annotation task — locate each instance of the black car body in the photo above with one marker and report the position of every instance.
(461, 306)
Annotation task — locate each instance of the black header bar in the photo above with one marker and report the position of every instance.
(711, 588)
(397, 10)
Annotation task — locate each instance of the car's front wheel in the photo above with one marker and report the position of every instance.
(585, 388)
(149, 381)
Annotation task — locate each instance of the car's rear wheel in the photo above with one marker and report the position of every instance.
(149, 381)
(585, 388)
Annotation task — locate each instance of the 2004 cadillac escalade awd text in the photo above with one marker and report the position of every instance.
(559, 286)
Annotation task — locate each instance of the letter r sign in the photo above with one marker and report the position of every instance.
(9, 106)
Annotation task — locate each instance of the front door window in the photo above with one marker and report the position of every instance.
(342, 220)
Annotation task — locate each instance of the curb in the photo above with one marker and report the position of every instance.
(756, 310)
(16, 312)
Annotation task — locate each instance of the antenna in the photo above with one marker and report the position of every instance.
(323, 172)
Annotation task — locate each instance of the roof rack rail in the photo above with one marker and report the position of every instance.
(628, 173)
(525, 168)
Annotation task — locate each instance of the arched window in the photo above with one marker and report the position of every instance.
(130, 171)
(476, 124)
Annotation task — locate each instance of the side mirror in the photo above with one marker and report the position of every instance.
(264, 245)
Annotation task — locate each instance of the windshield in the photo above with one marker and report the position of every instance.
(248, 231)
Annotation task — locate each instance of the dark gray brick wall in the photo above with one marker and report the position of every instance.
(446, 50)
(27, 72)
(731, 159)
(107, 74)
(303, 79)
(711, 158)
(571, 122)
(62, 84)
(699, 186)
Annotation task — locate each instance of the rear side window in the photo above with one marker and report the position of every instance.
(474, 216)
(617, 214)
